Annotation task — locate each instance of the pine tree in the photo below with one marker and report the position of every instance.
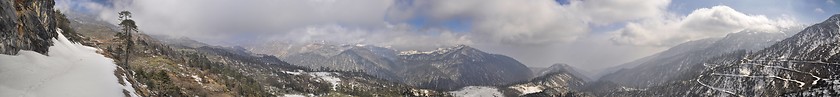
(128, 25)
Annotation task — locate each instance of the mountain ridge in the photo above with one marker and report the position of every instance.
(681, 59)
(438, 69)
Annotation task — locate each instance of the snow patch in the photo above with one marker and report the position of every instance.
(477, 91)
(196, 78)
(128, 86)
(631, 89)
(360, 45)
(293, 72)
(744, 71)
(327, 76)
(293, 95)
(70, 70)
(438, 51)
(527, 88)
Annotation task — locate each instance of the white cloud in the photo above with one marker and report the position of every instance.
(503, 22)
(396, 36)
(611, 11)
(819, 10)
(830, 2)
(500, 21)
(538, 32)
(528, 22)
(702, 23)
(534, 31)
(219, 19)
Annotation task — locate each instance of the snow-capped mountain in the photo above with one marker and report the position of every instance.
(559, 79)
(43, 53)
(373, 60)
(798, 63)
(559, 67)
(452, 68)
(804, 64)
(444, 68)
(680, 60)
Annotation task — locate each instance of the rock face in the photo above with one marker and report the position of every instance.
(675, 62)
(26, 25)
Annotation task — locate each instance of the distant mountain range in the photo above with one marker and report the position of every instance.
(747, 63)
(444, 68)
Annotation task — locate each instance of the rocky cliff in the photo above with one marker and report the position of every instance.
(26, 25)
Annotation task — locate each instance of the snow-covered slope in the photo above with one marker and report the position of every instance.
(806, 64)
(477, 91)
(70, 70)
(560, 79)
(801, 62)
(679, 60)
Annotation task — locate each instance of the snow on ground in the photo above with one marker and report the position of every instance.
(477, 91)
(293, 95)
(196, 78)
(70, 70)
(744, 71)
(128, 86)
(293, 72)
(527, 88)
(438, 51)
(327, 76)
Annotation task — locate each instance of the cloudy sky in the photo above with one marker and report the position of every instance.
(590, 34)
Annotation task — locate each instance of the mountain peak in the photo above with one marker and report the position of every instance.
(462, 46)
(563, 68)
(833, 18)
(560, 65)
(440, 50)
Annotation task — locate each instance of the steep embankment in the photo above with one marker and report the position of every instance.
(71, 69)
